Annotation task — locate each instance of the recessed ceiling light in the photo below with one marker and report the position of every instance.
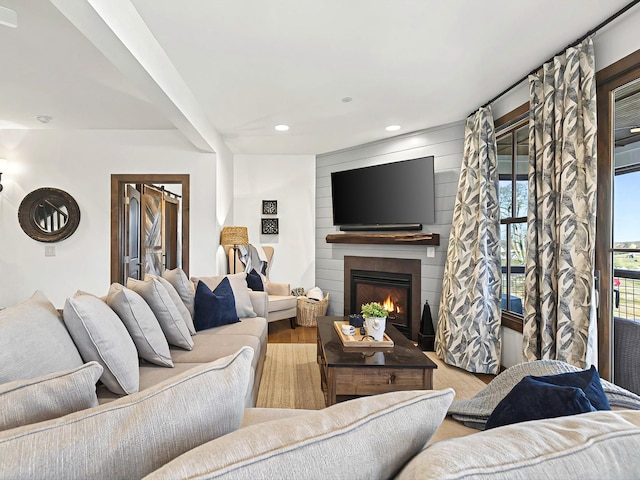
(347, 99)
(635, 130)
(393, 128)
(44, 118)
(282, 128)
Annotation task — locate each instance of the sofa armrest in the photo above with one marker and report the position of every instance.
(274, 288)
(260, 303)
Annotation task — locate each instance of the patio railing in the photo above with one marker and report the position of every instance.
(626, 301)
(626, 294)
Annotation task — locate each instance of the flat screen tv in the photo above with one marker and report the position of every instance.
(384, 196)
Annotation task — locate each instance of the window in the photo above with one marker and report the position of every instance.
(626, 233)
(513, 161)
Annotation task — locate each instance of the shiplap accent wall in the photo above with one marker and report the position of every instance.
(445, 143)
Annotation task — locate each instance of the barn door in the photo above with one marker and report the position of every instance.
(132, 245)
(152, 235)
(172, 248)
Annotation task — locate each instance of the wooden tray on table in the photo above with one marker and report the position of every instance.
(360, 341)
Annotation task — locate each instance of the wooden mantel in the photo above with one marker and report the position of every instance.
(385, 238)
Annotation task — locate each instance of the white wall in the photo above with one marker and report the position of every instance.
(445, 144)
(615, 41)
(224, 202)
(81, 163)
(289, 179)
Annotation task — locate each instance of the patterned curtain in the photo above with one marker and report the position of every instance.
(468, 330)
(561, 224)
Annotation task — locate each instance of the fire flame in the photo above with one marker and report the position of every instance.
(391, 307)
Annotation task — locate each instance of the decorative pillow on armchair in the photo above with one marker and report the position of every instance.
(214, 308)
(254, 281)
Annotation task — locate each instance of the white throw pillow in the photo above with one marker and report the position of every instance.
(183, 286)
(102, 337)
(370, 437)
(238, 281)
(34, 341)
(165, 310)
(50, 396)
(135, 435)
(141, 323)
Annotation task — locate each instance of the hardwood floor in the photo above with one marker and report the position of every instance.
(281, 332)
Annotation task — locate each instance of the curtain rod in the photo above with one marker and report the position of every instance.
(590, 32)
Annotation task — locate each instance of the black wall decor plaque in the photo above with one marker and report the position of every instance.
(270, 226)
(269, 207)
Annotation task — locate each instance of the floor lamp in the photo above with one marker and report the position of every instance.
(235, 236)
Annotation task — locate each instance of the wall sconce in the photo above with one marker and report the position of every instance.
(3, 164)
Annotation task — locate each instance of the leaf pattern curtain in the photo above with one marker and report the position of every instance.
(559, 321)
(468, 329)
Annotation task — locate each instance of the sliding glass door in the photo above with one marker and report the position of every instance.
(618, 215)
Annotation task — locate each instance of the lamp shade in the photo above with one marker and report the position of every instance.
(234, 236)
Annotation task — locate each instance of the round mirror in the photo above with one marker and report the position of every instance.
(49, 215)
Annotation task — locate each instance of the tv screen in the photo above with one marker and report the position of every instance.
(396, 193)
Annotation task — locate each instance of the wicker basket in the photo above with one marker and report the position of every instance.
(309, 309)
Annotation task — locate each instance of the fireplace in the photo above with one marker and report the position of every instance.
(392, 282)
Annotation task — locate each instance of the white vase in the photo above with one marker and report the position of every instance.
(375, 327)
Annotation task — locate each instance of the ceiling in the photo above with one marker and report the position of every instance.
(229, 71)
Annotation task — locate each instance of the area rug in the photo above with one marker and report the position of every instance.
(291, 378)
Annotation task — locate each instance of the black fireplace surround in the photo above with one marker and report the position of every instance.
(393, 282)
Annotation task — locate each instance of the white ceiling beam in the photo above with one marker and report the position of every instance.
(116, 29)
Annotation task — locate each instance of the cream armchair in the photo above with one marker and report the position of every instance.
(281, 304)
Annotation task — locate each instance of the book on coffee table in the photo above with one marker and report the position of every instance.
(361, 341)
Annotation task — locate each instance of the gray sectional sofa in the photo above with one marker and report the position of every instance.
(121, 333)
(197, 420)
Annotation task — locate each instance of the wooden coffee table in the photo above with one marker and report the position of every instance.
(348, 372)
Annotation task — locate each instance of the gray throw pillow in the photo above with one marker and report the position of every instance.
(50, 396)
(34, 341)
(101, 336)
(183, 286)
(165, 310)
(134, 435)
(238, 281)
(175, 296)
(141, 323)
(370, 437)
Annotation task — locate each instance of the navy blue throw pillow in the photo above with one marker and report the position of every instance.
(587, 380)
(531, 399)
(254, 281)
(214, 308)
